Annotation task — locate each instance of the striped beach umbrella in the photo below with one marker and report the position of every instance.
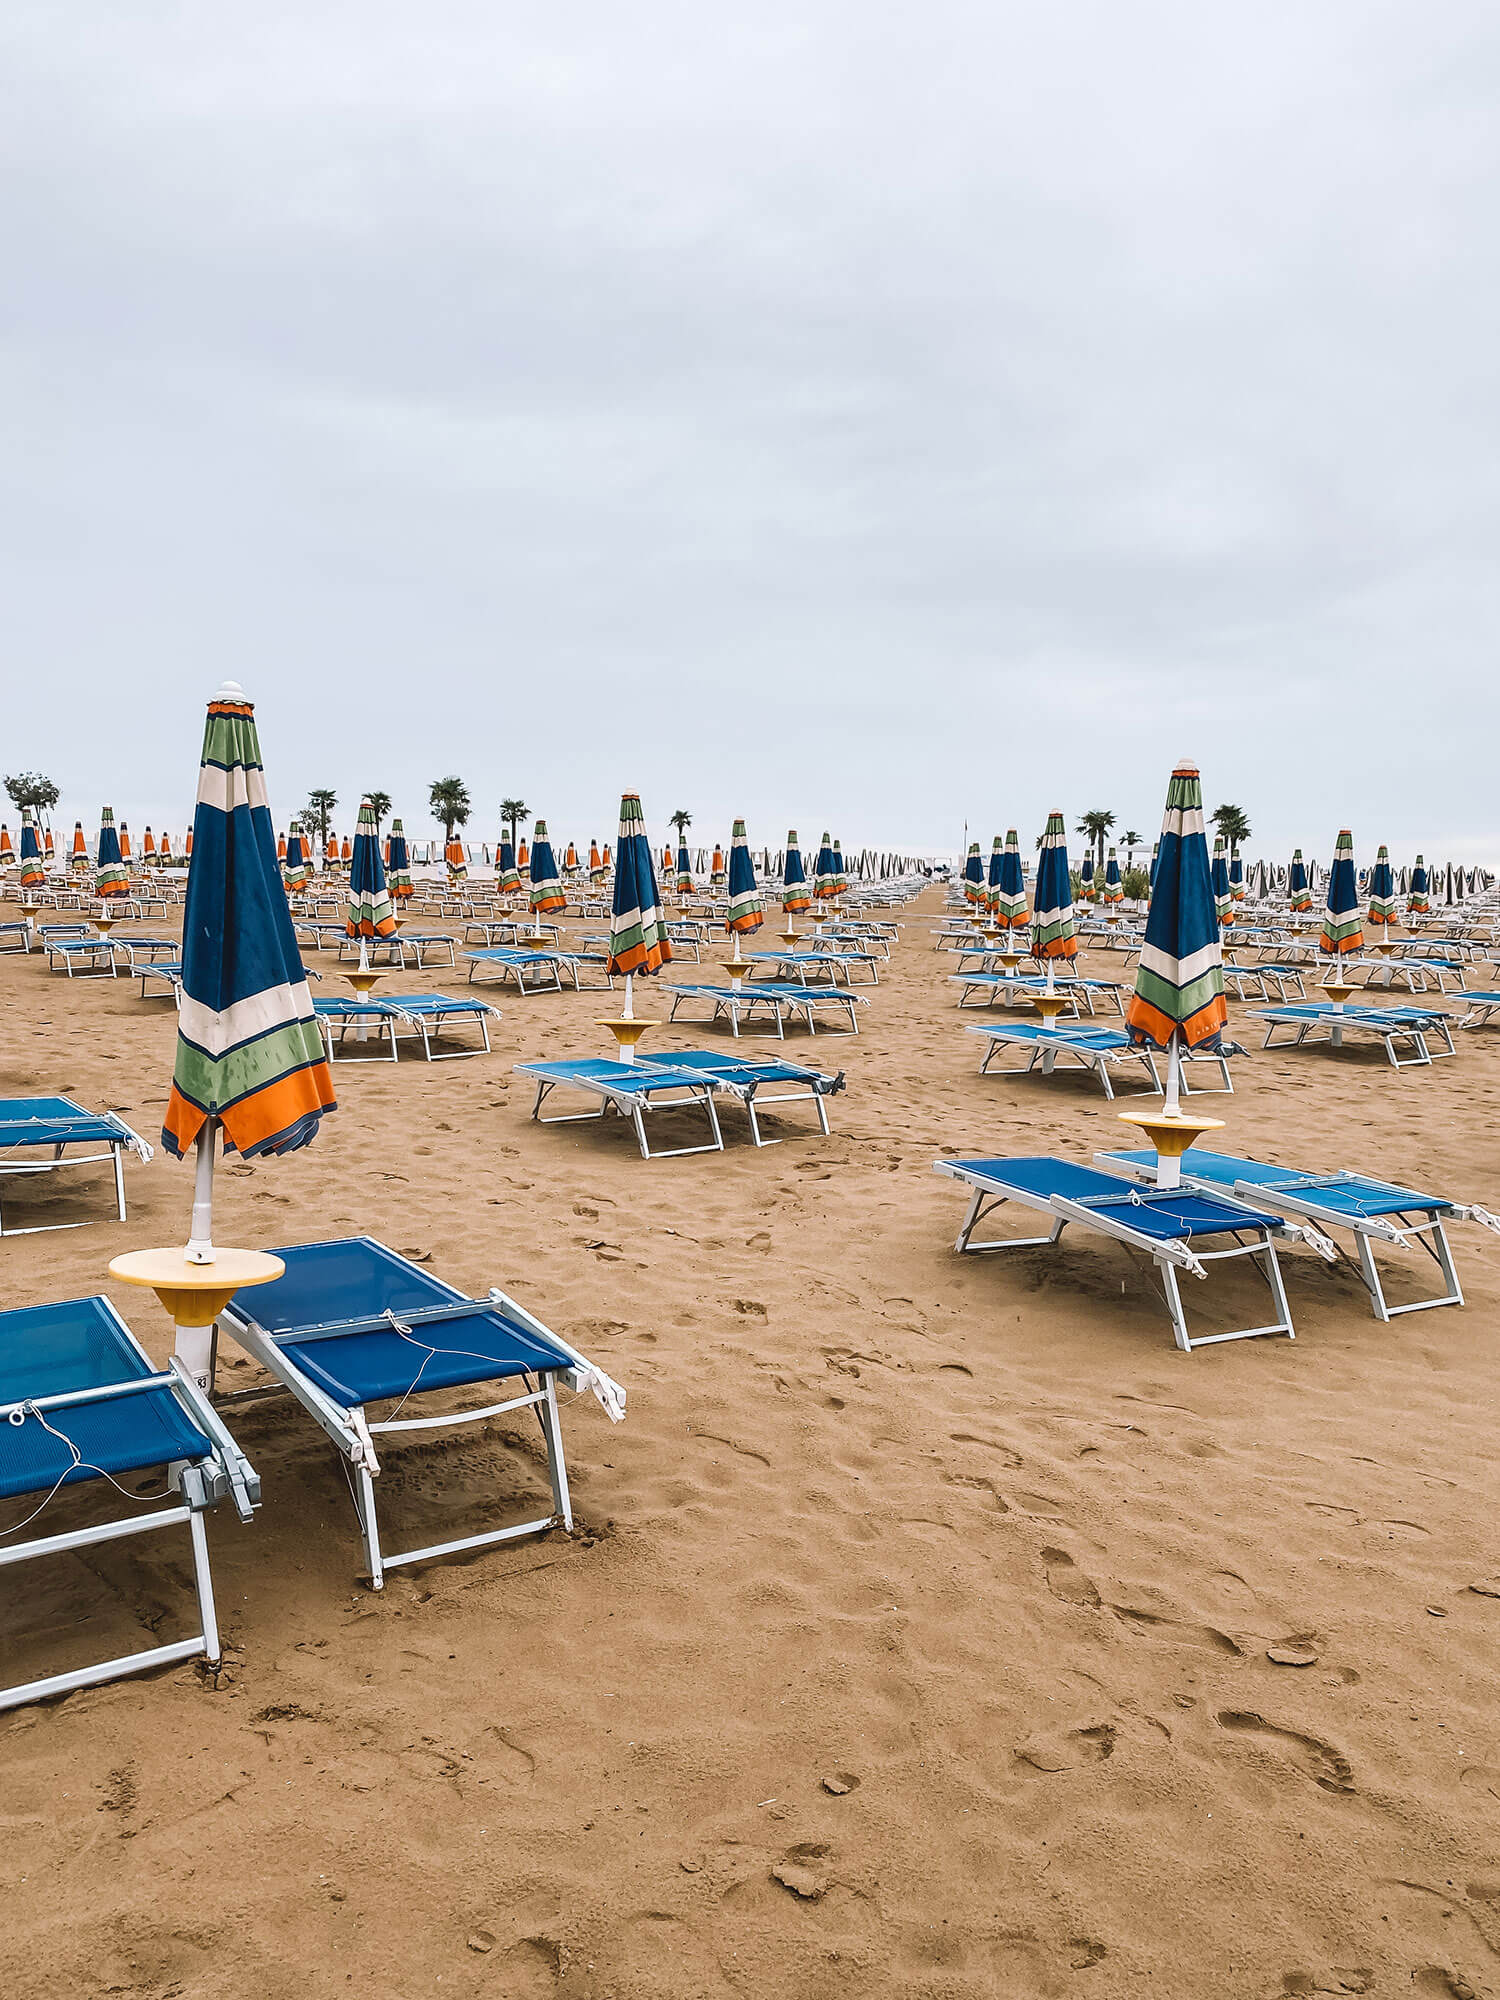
(596, 865)
(398, 866)
(1052, 933)
(125, 842)
(1179, 985)
(666, 861)
(684, 869)
(839, 870)
(1417, 900)
(148, 850)
(33, 868)
(992, 879)
(111, 876)
(609, 859)
(1009, 905)
(78, 860)
(746, 908)
(346, 852)
(281, 851)
(331, 852)
(1236, 878)
(716, 870)
(973, 875)
(1219, 877)
(1155, 860)
(187, 846)
(369, 911)
(457, 861)
(825, 875)
(298, 870)
(1342, 930)
(523, 859)
(507, 875)
(1086, 878)
(250, 1059)
(1299, 894)
(794, 891)
(1382, 889)
(1114, 891)
(637, 926)
(7, 848)
(48, 852)
(546, 886)
(164, 850)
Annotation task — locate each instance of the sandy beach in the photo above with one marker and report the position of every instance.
(914, 1638)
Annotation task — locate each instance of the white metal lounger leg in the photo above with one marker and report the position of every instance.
(369, 1525)
(557, 1469)
(119, 1153)
(977, 1211)
(205, 1642)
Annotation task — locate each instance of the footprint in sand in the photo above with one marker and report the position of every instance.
(1328, 1768)
(1181, 1631)
(1058, 1750)
(1067, 1581)
(1012, 1458)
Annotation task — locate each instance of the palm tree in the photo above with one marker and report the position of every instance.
(1096, 825)
(682, 820)
(380, 804)
(1233, 824)
(449, 800)
(31, 788)
(318, 812)
(514, 813)
(1132, 841)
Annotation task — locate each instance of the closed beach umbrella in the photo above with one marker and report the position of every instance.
(281, 851)
(746, 909)
(570, 860)
(609, 858)
(1086, 877)
(457, 861)
(1237, 878)
(684, 870)
(125, 843)
(973, 874)
(1219, 876)
(331, 852)
(838, 865)
(546, 886)
(398, 870)
(1342, 930)
(47, 846)
(1113, 890)
(298, 869)
(1417, 901)
(1382, 889)
(250, 1059)
(1155, 860)
(825, 875)
(1178, 1001)
(369, 912)
(78, 860)
(507, 875)
(716, 868)
(1298, 891)
(992, 880)
(33, 869)
(637, 925)
(596, 865)
(187, 847)
(666, 860)
(111, 877)
(794, 890)
(346, 852)
(1052, 932)
(523, 858)
(7, 849)
(1009, 908)
(164, 851)
(148, 850)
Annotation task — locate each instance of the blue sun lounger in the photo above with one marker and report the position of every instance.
(746, 1078)
(51, 1127)
(1099, 1050)
(631, 1090)
(351, 1324)
(1176, 1229)
(80, 1401)
(427, 1015)
(1372, 1211)
(770, 1000)
(1004, 988)
(74, 946)
(1483, 1007)
(809, 967)
(1414, 1028)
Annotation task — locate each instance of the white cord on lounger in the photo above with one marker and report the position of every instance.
(18, 1417)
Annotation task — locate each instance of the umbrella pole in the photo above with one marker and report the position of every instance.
(1174, 1077)
(629, 1008)
(200, 1245)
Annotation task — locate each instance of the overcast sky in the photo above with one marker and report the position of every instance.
(855, 415)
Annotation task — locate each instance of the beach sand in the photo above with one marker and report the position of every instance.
(914, 1639)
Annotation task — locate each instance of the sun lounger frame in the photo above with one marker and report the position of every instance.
(200, 1484)
(1314, 1023)
(1046, 1045)
(114, 1151)
(630, 1104)
(1168, 1256)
